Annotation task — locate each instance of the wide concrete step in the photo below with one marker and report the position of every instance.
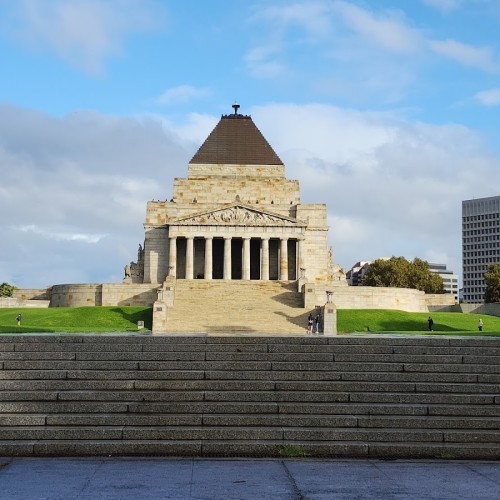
(259, 448)
(241, 396)
(210, 433)
(180, 376)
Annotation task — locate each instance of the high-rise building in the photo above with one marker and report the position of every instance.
(450, 279)
(480, 244)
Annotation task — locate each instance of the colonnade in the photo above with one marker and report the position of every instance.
(286, 270)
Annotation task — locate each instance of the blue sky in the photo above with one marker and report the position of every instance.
(386, 110)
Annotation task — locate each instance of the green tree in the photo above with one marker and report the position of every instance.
(400, 273)
(6, 290)
(492, 280)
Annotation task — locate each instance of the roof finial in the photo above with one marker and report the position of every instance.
(236, 106)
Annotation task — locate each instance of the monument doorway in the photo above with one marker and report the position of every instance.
(236, 258)
(255, 259)
(218, 258)
(274, 259)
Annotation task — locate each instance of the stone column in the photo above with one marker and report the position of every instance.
(172, 256)
(189, 257)
(284, 259)
(246, 258)
(227, 258)
(264, 267)
(208, 258)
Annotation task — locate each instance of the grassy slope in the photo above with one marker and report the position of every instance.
(75, 319)
(351, 320)
(120, 319)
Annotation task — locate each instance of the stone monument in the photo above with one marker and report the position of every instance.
(235, 217)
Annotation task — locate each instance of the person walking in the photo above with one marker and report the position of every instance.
(480, 325)
(19, 319)
(430, 323)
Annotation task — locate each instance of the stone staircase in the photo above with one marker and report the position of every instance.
(356, 396)
(218, 306)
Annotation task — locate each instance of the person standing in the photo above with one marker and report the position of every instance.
(317, 322)
(480, 325)
(19, 319)
(310, 322)
(430, 323)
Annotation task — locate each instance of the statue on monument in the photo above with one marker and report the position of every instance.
(134, 271)
(335, 272)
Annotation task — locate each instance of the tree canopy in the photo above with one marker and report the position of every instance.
(401, 273)
(6, 290)
(492, 280)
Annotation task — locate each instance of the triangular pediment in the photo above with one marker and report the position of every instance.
(238, 214)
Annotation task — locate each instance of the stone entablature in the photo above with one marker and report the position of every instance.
(238, 215)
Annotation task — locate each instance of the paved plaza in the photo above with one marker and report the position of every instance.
(211, 479)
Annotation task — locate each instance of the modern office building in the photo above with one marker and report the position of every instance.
(480, 244)
(355, 275)
(450, 279)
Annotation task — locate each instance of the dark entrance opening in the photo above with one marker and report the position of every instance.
(255, 259)
(217, 258)
(274, 259)
(292, 259)
(236, 258)
(181, 258)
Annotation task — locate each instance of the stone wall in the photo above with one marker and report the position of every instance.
(32, 293)
(107, 294)
(15, 302)
(491, 309)
(365, 297)
(225, 190)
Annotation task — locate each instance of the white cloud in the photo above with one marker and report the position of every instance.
(182, 94)
(83, 32)
(388, 30)
(476, 57)
(61, 236)
(444, 5)
(74, 191)
(263, 61)
(311, 16)
(489, 97)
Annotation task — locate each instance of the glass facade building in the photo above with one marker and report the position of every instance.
(480, 244)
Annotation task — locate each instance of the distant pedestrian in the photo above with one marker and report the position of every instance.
(480, 325)
(430, 322)
(310, 323)
(19, 319)
(317, 322)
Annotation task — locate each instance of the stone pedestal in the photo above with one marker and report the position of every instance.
(329, 319)
(159, 317)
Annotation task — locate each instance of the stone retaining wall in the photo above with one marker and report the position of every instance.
(366, 297)
(106, 294)
(10, 302)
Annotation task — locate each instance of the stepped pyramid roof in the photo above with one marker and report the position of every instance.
(236, 140)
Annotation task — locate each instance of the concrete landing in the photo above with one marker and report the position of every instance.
(123, 479)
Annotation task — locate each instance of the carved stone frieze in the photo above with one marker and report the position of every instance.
(238, 215)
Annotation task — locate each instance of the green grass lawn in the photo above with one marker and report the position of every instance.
(75, 319)
(381, 320)
(123, 319)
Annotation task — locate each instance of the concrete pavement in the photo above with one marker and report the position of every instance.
(260, 479)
